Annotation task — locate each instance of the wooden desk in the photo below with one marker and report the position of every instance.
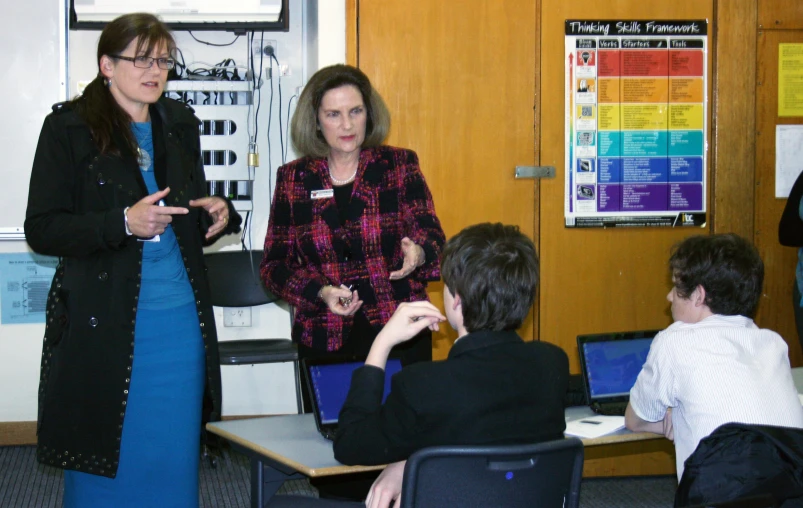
(289, 447)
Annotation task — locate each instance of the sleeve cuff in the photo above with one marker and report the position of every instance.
(635, 406)
(430, 254)
(114, 227)
(311, 292)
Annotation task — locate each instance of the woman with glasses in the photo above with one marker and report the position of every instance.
(129, 362)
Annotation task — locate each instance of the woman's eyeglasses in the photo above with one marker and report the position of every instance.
(146, 62)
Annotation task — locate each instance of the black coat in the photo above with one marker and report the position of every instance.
(493, 388)
(740, 462)
(790, 227)
(75, 211)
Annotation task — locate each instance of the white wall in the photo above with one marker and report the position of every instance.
(32, 81)
(260, 389)
(331, 32)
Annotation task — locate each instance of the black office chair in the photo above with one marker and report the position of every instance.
(234, 282)
(544, 474)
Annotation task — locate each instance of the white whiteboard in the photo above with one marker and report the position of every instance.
(33, 61)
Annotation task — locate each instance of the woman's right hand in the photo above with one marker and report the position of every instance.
(147, 219)
(341, 300)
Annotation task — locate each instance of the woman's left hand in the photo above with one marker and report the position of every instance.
(218, 209)
(413, 258)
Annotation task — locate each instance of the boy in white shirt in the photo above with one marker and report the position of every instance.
(713, 365)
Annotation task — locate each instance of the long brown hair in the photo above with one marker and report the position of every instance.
(97, 106)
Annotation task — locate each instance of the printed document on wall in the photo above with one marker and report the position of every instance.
(24, 282)
(790, 79)
(788, 157)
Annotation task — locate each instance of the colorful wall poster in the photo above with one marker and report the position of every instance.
(636, 123)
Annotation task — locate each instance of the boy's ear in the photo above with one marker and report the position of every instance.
(456, 302)
(698, 296)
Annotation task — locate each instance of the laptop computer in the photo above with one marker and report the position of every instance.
(327, 383)
(611, 362)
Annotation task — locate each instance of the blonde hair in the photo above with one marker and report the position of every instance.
(307, 138)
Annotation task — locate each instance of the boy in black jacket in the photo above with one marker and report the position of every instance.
(493, 388)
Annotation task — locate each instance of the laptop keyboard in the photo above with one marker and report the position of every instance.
(610, 408)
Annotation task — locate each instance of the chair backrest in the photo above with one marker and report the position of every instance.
(234, 279)
(543, 474)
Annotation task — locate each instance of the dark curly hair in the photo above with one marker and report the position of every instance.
(494, 269)
(727, 266)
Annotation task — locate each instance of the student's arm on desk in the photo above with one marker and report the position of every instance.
(635, 423)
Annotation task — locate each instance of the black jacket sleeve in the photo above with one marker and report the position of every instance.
(790, 229)
(369, 432)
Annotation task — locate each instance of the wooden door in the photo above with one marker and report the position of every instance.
(459, 79)
(476, 87)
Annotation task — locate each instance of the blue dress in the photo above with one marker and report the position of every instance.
(160, 446)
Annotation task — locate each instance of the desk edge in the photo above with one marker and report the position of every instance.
(301, 468)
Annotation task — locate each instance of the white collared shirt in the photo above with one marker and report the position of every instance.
(721, 370)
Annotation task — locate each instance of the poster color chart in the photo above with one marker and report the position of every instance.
(636, 123)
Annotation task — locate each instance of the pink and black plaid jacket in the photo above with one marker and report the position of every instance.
(307, 247)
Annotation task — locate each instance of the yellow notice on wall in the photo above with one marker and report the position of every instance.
(790, 79)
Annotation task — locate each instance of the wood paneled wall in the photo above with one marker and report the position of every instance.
(733, 126)
(778, 21)
(464, 105)
(612, 280)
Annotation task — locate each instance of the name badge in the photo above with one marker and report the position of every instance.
(322, 194)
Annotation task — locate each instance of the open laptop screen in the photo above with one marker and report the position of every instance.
(612, 366)
(331, 383)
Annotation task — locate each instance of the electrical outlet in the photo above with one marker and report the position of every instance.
(236, 316)
(260, 46)
(284, 70)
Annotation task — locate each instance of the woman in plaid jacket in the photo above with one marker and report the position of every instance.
(352, 229)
